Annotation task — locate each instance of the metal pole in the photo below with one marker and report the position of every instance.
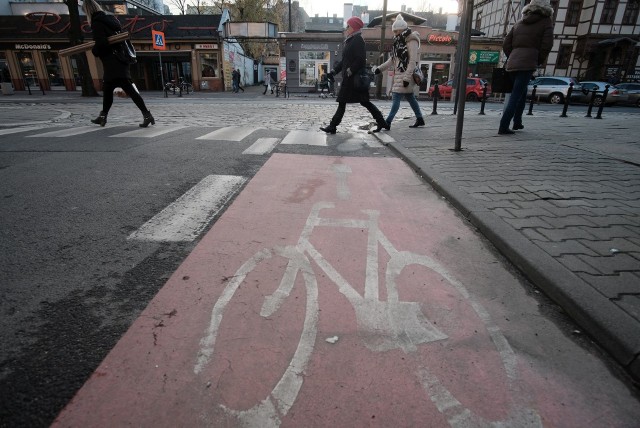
(465, 38)
(383, 30)
(290, 16)
(164, 89)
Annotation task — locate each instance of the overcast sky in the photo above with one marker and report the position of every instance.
(330, 7)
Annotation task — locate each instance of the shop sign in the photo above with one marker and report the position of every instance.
(315, 46)
(477, 57)
(32, 47)
(440, 39)
(206, 46)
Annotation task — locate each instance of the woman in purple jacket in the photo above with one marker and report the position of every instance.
(526, 46)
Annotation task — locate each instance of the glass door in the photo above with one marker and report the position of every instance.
(433, 70)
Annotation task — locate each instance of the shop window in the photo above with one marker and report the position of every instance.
(209, 64)
(573, 13)
(479, 20)
(54, 70)
(27, 68)
(5, 76)
(313, 65)
(631, 12)
(608, 11)
(564, 55)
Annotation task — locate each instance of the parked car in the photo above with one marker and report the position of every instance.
(554, 89)
(475, 88)
(613, 96)
(632, 92)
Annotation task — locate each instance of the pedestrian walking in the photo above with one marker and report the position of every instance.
(235, 79)
(403, 60)
(353, 60)
(116, 73)
(267, 83)
(526, 46)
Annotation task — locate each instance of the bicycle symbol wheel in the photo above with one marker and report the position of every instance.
(243, 298)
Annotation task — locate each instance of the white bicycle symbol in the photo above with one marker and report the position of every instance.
(390, 324)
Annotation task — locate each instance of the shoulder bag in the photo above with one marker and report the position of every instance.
(501, 82)
(125, 52)
(362, 80)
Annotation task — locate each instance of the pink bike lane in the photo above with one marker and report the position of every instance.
(345, 292)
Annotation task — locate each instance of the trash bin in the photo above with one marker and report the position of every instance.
(7, 88)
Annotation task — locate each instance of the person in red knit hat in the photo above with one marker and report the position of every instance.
(353, 60)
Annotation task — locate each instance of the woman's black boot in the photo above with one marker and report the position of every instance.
(329, 129)
(101, 119)
(148, 119)
(380, 126)
(419, 122)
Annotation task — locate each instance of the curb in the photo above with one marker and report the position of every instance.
(610, 327)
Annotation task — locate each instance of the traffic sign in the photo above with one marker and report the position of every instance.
(158, 40)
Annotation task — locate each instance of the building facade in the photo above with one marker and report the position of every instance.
(194, 50)
(593, 39)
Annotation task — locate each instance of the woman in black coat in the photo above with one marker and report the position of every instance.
(116, 72)
(353, 60)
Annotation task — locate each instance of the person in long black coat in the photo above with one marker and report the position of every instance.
(353, 60)
(116, 72)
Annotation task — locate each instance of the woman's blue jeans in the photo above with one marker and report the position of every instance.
(395, 105)
(517, 100)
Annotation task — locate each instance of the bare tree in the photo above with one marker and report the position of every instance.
(181, 5)
(76, 38)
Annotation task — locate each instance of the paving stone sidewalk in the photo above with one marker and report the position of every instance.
(560, 199)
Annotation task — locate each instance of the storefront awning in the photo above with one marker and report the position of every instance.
(616, 41)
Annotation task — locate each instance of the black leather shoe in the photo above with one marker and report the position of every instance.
(505, 131)
(380, 127)
(329, 129)
(419, 122)
(516, 127)
(147, 119)
(100, 120)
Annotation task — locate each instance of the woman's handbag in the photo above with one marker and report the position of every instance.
(125, 52)
(501, 82)
(417, 76)
(362, 80)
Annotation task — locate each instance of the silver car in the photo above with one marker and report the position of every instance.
(614, 95)
(554, 89)
(632, 91)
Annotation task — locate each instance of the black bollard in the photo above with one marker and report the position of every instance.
(436, 95)
(566, 100)
(533, 98)
(484, 99)
(593, 97)
(604, 98)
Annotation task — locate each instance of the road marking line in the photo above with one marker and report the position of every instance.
(188, 215)
(149, 132)
(228, 133)
(68, 132)
(16, 130)
(262, 146)
(307, 138)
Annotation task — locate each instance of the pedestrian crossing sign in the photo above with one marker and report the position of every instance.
(158, 40)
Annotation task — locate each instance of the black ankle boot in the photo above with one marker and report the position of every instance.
(329, 129)
(147, 119)
(101, 119)
(380, 126)
(419, 122)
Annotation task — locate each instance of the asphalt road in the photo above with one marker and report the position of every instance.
(74, 281)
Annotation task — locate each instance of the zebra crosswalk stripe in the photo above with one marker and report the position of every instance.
(187, 216)
(307, 138)
(262, 146)
(68, 132)
(149, 132)
(228, 133)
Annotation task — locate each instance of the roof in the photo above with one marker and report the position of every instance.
(411, 19)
